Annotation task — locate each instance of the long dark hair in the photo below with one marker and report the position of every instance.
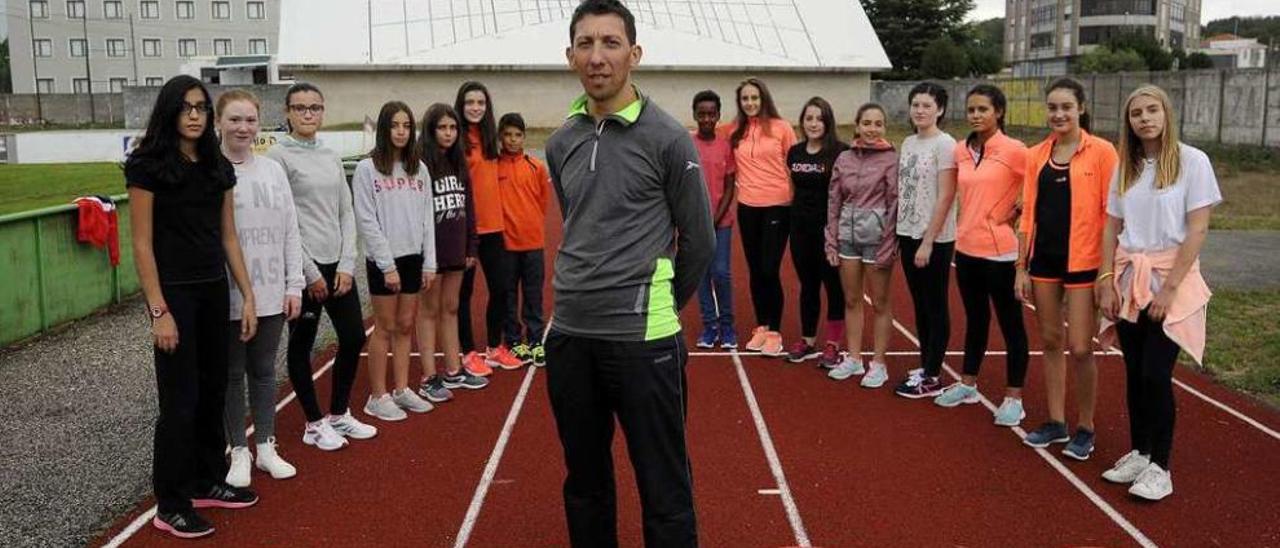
(160, 142)
(939, 95)
(488, 127)
(830, 139)
(1077, 89)
(383, 153)
(453, 159)
(998, 101)
(768, 111)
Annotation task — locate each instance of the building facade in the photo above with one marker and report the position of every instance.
(78, 46)
(1043, 36)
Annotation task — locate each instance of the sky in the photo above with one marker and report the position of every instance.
(1209, 9)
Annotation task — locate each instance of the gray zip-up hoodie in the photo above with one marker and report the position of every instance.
(394, 214)
(637, 234)
(323, 200)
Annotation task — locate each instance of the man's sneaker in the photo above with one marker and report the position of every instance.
(1047, 433)
(918, 386)
(347, 426)
(830, 355)
(1081, 445)
(474, 362)
(876, 376)
(847, 368)
(801, 351)
(757, 339)
(1010, 412)
(539, 355)
(957, 394)
(728, 338)
(407, 400)
(238, 472)
(270, 461)
(225, 496)
(464, 379)
(385, 408)
(502, 357)
(433, 390)
(184, 524)
(773, 345)
(323, 435)
(1127, 469)
(1154, 483)
(710, 335)
(522, 352)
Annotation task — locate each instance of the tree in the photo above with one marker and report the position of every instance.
(1106, 60)
(1198, 60)
(1154, 55)
(1265, 29)
(6, 83)
(984, 46)
(944, 59)
(905, 27)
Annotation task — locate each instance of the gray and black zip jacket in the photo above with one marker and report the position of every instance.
(638, 236)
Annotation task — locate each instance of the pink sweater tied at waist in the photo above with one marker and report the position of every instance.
(1185, 321)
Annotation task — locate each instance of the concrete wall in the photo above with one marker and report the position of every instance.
(21, 109)
(73, 146)
(543, 97)
(138, 102)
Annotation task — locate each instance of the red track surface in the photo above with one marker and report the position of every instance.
(864, 467)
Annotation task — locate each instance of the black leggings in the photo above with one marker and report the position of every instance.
(1149, 357)
(809, 256)
(764, 240)
(497, 265)
(348, 321)
(984, 283)
(928, 288)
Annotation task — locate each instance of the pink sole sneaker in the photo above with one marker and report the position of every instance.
(161, 525)
(215, 503)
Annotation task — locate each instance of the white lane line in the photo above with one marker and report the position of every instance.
(138, 522)
(771, 454)
(495, 458)
(768, 491)
(1057, 465)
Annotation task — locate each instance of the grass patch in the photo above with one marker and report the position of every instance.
(1243, 349)
(32, 186)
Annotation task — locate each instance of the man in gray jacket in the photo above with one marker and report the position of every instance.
(637, 241)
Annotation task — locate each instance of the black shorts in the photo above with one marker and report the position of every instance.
(409, 267)
(1052, 268)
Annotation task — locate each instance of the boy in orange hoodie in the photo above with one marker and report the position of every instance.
(525, 186)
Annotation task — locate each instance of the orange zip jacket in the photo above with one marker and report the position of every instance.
(987, 192)
(525, 186)
(763, 179)
(1090, 169)
(484, 185)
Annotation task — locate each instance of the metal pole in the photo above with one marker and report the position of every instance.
(369, 13)
(1222, 100)
(133, 48)
(1266, 101)
(35, 64)
(84, 27)
(404, 13)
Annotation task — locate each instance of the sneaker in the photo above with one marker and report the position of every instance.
(238, 472)
(846, 369)
(225, 496)
(728, 338)
(876, 376)
(1128, 468)
(385, 408)
(1010, 412)
(323, 435)
(185, 524)
(433, 390)
(1154, 483)
(830, 356)
(708, 337)
(757, 339)
(407, 400)
(1080, 446)
(1048, 433)
(474, 363)
(270, 461)
(539, 355)
(957, 394)
(464, 379)
(522, 352)
(347, 426)
(773, 345)
(801, 351)
(918, 386)
(502, 357)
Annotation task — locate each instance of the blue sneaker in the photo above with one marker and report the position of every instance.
(1080, 446)
(957, 394)
(728, 339)
(1010, 412)
(1048, 433)
(709, 337)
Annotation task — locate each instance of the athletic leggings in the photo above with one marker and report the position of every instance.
(809, 256)
(928, 288)
(257, 358)
(764, 240)
(1149, 357)
(984, 283)
(497, 265)
(348, 322)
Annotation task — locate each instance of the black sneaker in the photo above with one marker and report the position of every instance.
(183, 524)
(222, 495)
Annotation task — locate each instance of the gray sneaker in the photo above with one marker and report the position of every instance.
(464, 379)
(383, 407)
(409, 401)
(434, 391)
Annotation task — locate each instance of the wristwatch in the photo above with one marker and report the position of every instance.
(156, 311)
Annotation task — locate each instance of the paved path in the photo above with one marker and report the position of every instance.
(1242, 259)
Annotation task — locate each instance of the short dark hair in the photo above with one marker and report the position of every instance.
(300, 87)
(511, 119)
(937, 92)
(603, 7)
(705, 96)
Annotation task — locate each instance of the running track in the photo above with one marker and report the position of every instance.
(782, 456)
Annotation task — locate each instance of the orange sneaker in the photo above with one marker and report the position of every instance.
(502, 357)
(474, 363)
(757, 339)
(773, 345)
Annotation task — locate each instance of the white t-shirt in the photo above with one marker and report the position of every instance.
(1156, 220)
(919, 163)
(267, 225)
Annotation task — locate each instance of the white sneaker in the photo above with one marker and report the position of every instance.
(876, 377)
(238, 473)
(346, 425)
(269, 461)
(846, 369)
(321, 435)
(1154, 483)
(409, 401)
(385, 408)
(1127, 469)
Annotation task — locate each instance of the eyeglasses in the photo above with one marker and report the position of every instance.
(301, 109)
(198, 108)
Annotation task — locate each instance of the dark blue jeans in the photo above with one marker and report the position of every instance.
(715, 295)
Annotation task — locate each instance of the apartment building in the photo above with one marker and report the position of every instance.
(1042, 36)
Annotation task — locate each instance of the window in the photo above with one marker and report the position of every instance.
(257, 46)
(111, 9)
(255, 10)
(222, 10)
(115, 47)
(1043, 14)
(118, 84)
(1041, 40)
(185, 10)
(75, 9)
(154, 81)
(77, 47)
(1178, 11)
(80, 85)
(40, 10)
(222, 46)
(44, 85)
(187, 47)
(1102, 34)
(43, 47)
(151, 47)
(150, 9)
(1117, 7)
